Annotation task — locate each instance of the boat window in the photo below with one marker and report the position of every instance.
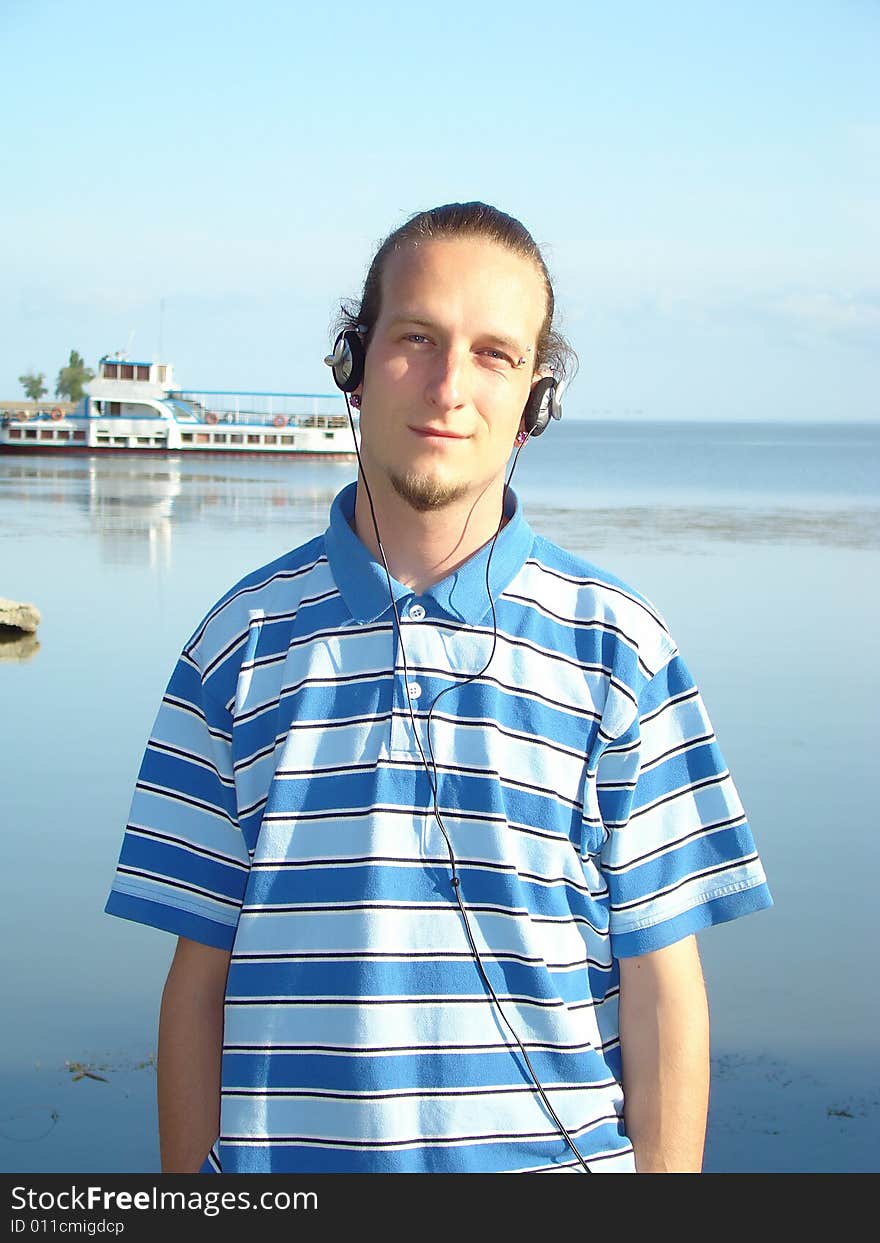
(120, 440)
(143, 373)
(15, 433)
(253, 440)
(79, 435)
(64, 435)
(30, 433)
(288, 440)
(181, 409)
(202, 438)
(110, 371)
(329, 435)
(127, 371)
(271, 440)
(116, 407)
(220, 438)
(236, 440)
(187, 438)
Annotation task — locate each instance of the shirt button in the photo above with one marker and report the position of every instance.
(414, 690)
(416, 612)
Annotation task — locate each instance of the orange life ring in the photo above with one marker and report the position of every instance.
(57, 414)
(211, 417)
(279, 420)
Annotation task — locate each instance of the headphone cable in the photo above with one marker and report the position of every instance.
(434, 781)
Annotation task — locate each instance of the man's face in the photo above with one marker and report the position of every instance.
(443, 390)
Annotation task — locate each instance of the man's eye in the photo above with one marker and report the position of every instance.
(416, 338)
(498, 357)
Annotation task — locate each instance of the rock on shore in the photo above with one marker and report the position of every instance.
(25, 617)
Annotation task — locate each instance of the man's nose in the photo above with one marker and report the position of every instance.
(446, 381)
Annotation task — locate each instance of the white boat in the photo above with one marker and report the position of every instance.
(133, 407)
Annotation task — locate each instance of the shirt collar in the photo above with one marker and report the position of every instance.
(462, 595)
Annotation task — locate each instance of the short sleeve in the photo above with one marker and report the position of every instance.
(678, 853)
(184, 863)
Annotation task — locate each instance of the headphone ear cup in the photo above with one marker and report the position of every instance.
(349, 356)
(536, 413)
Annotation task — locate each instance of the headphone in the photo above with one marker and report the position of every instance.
(350, 354)
(347, 363)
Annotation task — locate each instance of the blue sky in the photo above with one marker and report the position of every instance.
(704, 177)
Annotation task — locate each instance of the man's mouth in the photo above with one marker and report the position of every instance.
(440, 433)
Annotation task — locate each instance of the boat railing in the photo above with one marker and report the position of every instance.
(27, 409)
(322, 410)
(39, 416)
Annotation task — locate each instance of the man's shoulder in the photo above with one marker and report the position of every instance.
(558, 562)
(272, 590)
(578, 592)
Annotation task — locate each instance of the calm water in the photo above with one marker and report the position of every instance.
(759, 544)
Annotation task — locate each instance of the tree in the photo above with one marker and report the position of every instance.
(72, 378)
(33, 385)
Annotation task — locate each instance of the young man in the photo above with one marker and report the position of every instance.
(435, 865)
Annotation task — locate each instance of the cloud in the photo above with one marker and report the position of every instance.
(854, 318)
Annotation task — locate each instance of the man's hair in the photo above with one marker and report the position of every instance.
(455, 220)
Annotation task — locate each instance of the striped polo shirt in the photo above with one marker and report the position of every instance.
(283, 812)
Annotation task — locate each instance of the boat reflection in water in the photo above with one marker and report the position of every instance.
(133, 505)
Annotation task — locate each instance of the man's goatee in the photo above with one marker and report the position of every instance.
(424, 492)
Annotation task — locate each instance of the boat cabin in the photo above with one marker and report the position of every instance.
(112, 367)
